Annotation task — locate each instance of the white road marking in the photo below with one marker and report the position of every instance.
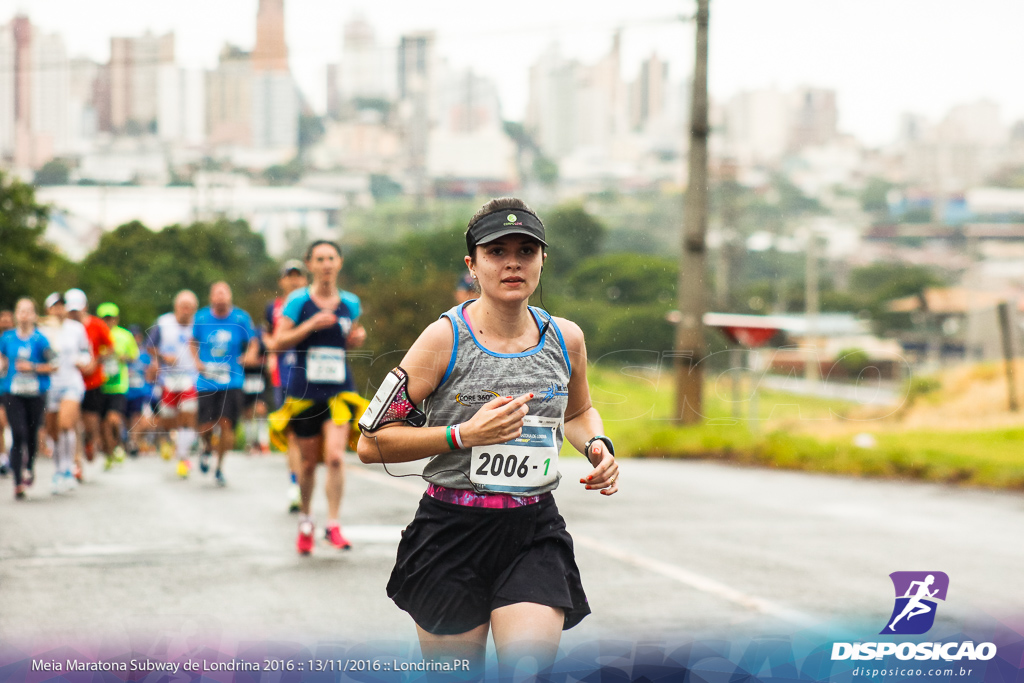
(698, 582)
(670, 571)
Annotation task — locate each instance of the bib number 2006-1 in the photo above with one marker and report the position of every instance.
(527, 462)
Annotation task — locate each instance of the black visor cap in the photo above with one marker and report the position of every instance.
(504, 222)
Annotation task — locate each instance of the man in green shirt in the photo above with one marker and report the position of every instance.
(115, 390)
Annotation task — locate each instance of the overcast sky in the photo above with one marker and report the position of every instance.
(884, 57)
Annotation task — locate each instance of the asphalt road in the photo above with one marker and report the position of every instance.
(686, 549)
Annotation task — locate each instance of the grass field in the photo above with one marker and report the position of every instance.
(796, 432)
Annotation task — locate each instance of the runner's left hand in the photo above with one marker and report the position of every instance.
(605, 476)
(357, 336)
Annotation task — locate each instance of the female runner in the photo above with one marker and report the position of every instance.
(25, 355)
(319, 323)
(501, 384)
(64, 399)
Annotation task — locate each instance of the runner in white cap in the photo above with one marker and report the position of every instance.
(70, 343)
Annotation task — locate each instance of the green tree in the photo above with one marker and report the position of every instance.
(875, 196)
(53, 172)
(382, 187)
(545, 170)
(625, 279)
(881, 282)
(311, 130)
(28, 265)
(141, 270)
(285, 174)
(572, 235)
(404, 286)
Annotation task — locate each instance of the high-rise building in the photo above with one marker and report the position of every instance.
(34, 89)
(181, 105)
(551, 110)
(815, 117)
(275, 111)
(252, 101)
(366, 72)
(649, 94)
(469, 140)
(960, 151)
(757, 125)
(8, 90)
(275, 100)
(83, 112)
(270, 52)
(229, 100)
(417, 73)
(134, 67)
(574, 106)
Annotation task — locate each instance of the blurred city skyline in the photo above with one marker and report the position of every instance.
(883, 59)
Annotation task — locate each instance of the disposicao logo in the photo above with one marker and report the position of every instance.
(914, 614)
(916, 593)
(511, 218)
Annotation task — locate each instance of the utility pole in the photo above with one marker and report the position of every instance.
(729, 233)
(811, 368)
(1006, 334)
(689, 350)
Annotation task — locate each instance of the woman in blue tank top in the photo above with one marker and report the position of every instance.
(319, 324)
(501, 384)
(25, 367)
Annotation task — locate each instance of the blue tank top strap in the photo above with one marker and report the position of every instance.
(450, 314)
(547, 317)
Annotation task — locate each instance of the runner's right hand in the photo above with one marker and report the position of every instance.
(322, 319)
(497, 421)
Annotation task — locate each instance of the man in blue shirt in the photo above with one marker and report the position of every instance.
(223, 338)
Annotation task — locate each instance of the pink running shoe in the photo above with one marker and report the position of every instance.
(305, 542)
(334, 537)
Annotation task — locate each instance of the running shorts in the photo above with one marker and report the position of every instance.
(173, 401)
(214, 405)
(114, 403)
(92, 401)
(58, 394)
(456, 564)
(305, 418)
(135, 405)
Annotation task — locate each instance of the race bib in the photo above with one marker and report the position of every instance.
(253, 384)
(136, 380)
(521, 465)
(326, 365)
(24, 384)
(177, 382)
(111, 366)
(218, 373)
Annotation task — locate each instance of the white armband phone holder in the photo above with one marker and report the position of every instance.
(392, 404)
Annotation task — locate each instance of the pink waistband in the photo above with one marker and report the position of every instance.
(481, 500)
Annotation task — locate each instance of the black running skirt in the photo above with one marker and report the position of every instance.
(457, 563)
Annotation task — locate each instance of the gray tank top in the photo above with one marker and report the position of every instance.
(476, 376)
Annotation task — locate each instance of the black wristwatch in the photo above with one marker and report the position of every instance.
(599, 437)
